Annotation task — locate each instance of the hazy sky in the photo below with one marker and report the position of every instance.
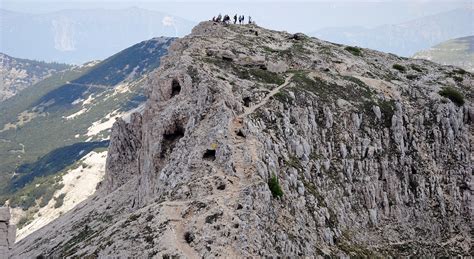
(293, 16)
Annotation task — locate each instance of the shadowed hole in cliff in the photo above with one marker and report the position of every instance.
(175, 88)
(189, 237)
(170, 139)
(240, 134)
(209, 155)
(246, 101)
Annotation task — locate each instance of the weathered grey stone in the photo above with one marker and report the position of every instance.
(277, 67)
(7, 233)
(4, 214)
(189, 178)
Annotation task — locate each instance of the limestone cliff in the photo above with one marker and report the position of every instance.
(7, 233)
(371, 159)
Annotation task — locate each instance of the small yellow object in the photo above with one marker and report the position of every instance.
(214, 146)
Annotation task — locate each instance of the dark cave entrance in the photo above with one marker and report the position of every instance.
(246, 101)
(175, 88)
(170, 139)
(209, 155)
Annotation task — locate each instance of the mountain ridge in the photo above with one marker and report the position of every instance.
(62, 123)
(457, 52)
(17, 74)
(405, 38)
(358, 141)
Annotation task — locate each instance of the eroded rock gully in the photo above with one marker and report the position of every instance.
(371, 159)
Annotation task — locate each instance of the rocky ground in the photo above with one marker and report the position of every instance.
(371, 159)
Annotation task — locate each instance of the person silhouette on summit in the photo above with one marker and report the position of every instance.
(235, 19)
(219, 17)
(250, 19)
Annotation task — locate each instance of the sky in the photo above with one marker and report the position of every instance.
(292, 16)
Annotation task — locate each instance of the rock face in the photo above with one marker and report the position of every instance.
(7, 233)
(372, 161)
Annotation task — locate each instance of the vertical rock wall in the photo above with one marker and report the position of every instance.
(7, 233)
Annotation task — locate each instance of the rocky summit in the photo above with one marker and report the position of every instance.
(262, 143)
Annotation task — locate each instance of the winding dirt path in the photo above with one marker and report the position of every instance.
(252, 109)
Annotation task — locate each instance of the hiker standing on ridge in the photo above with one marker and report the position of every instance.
(235, 19)
(250, 19)
(219, 17)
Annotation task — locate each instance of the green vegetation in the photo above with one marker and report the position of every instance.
(275, 187)
(416, 68)
(70, 246)
(42, 189)
(355, 89)
(388, 109)
(452, 94)
(59, 200)
(458, 79)
(49, 143)
(297, 50)
(460, 71)
(27, 218)
(53, 162)
(283, 96)
(400, 68)
(294, 162)
(457, 52)
(118, 67)
(354, 50)
(249, 73)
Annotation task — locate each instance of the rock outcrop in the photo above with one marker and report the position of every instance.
(371, 160)
(7, 233)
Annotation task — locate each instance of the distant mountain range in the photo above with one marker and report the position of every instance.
(78, 36)
(406, 38)
(457, 52)
(17, 74)
(48, 129)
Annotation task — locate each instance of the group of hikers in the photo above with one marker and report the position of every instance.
(226, 19)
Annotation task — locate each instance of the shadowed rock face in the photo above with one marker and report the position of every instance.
(7, 233)
(370, 158)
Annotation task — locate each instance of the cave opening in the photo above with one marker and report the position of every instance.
(246, 101)
(170, 139)
(209, 155)
(175, 88)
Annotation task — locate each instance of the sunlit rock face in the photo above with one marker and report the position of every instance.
(371, 160)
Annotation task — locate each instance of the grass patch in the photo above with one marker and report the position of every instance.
(460, 71)
(452, 94)
(283, 97)
(248, 73)
(416, 68)
(458, 79)
(400, 68)
(354, 50)
(353, 90)
(275, 187)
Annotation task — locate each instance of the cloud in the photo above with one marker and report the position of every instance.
(168, 21)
